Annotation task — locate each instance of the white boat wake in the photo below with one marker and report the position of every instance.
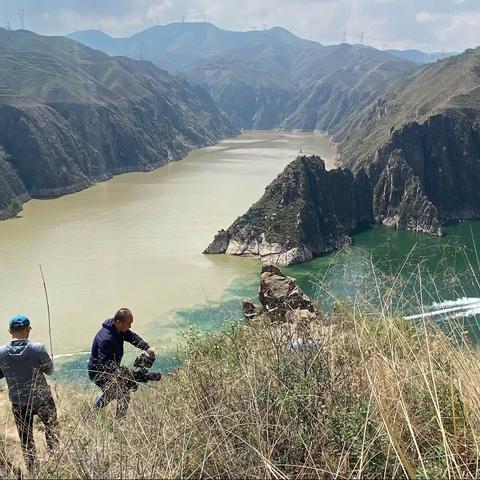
(463, 307)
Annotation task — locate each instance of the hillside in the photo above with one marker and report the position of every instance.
(421, 139)
(420, 57)
(71, 116)
(290, 393)
(263, 79)
(340, 80)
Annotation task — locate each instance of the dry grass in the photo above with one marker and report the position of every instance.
(364, 393)
(365, 398)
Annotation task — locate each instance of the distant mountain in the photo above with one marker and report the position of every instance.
(342, 79)
(263, 79)
(177, 45)
(256, 83)
(420, 57)
(71, 116)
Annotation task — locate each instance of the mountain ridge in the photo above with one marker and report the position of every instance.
(260, 78)
(71, 116)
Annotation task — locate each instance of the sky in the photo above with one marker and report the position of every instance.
(429, 25)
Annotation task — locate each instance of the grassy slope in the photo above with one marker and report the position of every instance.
(373, 397)
(56, 69)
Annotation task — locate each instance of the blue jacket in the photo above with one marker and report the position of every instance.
(107, 348)
(23, 364)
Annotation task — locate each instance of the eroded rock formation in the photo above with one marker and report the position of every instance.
(283, 301)
(279, 293)
(305, 211)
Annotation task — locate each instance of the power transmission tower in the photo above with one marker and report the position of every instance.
(21, 15)
(183, 17)
(344, 39)
(362, 38)
(8, 25)
(204, 16)
(264, 26)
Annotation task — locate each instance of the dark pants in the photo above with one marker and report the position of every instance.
(115, 386)
(23, 414)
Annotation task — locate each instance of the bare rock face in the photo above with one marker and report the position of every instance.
(219, 243)
(428, 174)
(419, 143)
(68, 124)
(305, 211)
(249, 309)
(279, 294)
(400, 200)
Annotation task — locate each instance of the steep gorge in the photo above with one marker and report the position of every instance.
(71, 116)
(416, 148)
(263, 79)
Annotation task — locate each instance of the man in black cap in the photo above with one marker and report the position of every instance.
(24, 364)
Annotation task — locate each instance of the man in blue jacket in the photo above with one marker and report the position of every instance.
(106, 356)
(24, 364)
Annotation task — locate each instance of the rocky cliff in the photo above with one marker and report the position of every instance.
(71, 116)
(419, 143)
(423, 176)
(305, 211)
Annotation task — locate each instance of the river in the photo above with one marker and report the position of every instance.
(137, 241)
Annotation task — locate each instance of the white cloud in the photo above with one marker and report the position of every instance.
(465, 26)
(428, 17)
(158, 10)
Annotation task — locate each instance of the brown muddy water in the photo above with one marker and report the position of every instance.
(137, 239)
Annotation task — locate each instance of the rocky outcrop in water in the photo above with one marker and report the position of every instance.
(279, 293)
(282, 300)
(305, 211)
(71, 116)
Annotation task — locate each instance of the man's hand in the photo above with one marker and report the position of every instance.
(151, 352)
